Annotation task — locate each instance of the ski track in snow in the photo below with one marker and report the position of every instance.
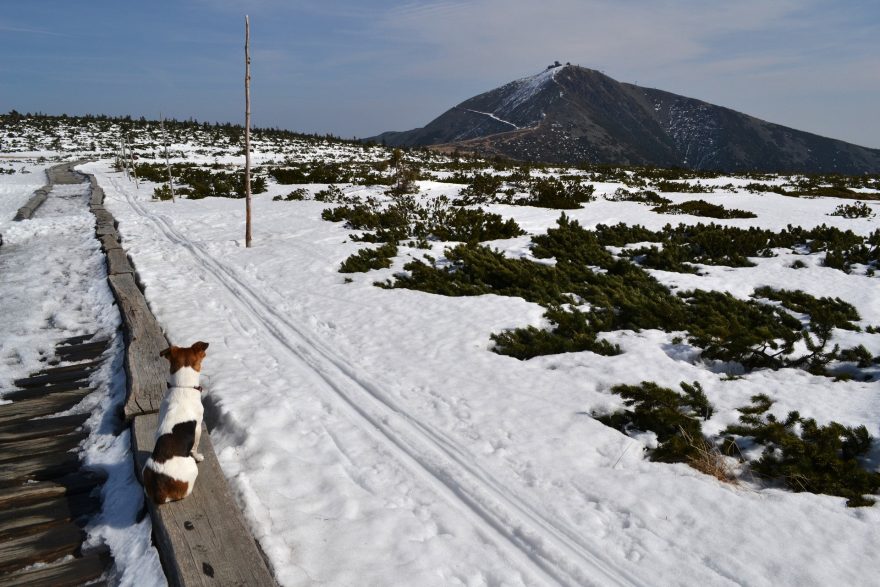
(548, 546)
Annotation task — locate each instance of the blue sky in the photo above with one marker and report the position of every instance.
(359, 68)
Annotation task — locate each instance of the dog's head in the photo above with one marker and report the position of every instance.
(180, 357)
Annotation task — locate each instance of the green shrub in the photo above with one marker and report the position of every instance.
(743, 331)
(571, 333)
(367, 259)
(405, 218)
(553, 193)
(163, 192)
(809, 457)
(682, 187)
(857, 210)
(640, 196)
(674, 417)
(296, 195)
(482, 188)
(702, 208)
(825, 313)
(858, 355)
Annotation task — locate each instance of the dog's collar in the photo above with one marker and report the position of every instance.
(196, 387)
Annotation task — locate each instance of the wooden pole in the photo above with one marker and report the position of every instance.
(247, 130)
(167, 164)
(122, 156)
(131, 159)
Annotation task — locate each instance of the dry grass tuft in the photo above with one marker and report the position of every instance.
(708, 459)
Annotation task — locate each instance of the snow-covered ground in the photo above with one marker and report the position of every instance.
(53, 286)
(372, 438)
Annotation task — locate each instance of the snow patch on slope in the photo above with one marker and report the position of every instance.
(521, 91)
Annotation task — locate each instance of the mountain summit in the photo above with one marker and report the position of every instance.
(570, 114)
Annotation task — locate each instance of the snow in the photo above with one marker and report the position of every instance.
(490, 115)
(54, 287)
(520, 91)
(372, 438)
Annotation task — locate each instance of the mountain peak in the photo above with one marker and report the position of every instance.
(571, 114)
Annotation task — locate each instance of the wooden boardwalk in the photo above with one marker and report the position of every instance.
(46, 496)
(202, 540)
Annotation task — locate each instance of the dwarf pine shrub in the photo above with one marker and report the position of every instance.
(825, 313)
(405, 218)
(674, 417)
(639, 196)
(571, 333)
(856, 210)
(298, 194)
(702, 208)
(553, 193)
(809, 457)
(682, 187)
(367, 259)
(482, 188)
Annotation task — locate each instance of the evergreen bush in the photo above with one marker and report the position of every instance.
(674, 417)
(702, 208)
(809, 457)
(367, 259)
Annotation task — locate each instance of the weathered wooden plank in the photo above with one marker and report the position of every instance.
(89, 366)
(41, 391)
(16, 430)
(54, 377)
(75, 340)
(39, 468)
(64, 573)
(104, 217)
(117, 262)
(102, 230)
(44, 546)
(39, 516)
(73, 484)
(27, 211)
(109, 242)
(147, 371)
(92, 349)
(40, 406)
(13, 451)
(38, 392)
(97, 196)
(205, 530)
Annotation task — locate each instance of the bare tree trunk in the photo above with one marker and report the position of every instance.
(247, 129)
(167, 164)
(122, 159)
(133, 170)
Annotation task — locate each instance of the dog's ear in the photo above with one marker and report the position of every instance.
(200, 346)
(166, 353)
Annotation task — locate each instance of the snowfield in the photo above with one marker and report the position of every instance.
(372, 438)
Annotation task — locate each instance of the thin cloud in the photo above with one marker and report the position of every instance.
(31, 31)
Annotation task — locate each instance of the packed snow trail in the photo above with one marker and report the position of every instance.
(492, 116)
(554, 551)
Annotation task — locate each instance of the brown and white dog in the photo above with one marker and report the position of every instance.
(170, 473)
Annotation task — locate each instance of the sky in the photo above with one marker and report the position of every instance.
(357, 68)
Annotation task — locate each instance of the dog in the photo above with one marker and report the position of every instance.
(170, 472)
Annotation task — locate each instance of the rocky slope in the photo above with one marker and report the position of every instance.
(571, 115)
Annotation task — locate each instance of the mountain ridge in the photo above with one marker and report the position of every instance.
(571, 115)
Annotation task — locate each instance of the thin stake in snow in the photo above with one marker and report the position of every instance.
(167, 164)
(122, 160)
(131, 160)
(247, 130)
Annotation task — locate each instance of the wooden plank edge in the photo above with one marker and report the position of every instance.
(190, 553)
(72, 572)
